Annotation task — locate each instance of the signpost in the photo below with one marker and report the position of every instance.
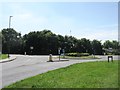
(59, 49)
(63, 50)
(110, 56)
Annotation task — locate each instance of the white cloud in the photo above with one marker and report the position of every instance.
(109, 32)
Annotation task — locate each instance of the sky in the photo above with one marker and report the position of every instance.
(91, 20)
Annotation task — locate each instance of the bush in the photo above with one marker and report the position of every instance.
(84, 54)
(72, 54)
(77, 54)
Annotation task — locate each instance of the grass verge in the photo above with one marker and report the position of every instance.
(3, 56)
(82, 75)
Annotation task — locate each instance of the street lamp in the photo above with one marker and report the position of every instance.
(9, 38)
(10, 21)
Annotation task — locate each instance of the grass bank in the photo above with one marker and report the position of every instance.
(3, 56)
(82, 75)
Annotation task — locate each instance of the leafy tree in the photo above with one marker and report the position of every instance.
(113, 45)
(86, 45)
(43, 42)
(97, 47)
(11, 41)
(108, 44)
(46, 42)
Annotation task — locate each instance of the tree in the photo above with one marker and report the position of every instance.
(97, 47)
(113, 45)
(43, 42)
(86, 45)
(46, 42)
(108, 44)
(11, 41)
(69, 43)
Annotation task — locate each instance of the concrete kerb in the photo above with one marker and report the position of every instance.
(8, 59)
(57, 60)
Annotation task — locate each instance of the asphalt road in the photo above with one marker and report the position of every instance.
(27, 66)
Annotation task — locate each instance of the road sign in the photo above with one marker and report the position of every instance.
(59, 49)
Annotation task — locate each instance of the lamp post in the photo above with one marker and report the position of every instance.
(10, 21)
(9, 38)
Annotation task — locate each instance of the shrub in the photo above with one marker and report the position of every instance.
(84, 54)
(77, 54)
(71, 54)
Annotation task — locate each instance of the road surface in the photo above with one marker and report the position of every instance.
(26, 66)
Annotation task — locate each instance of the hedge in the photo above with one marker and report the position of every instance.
(77, 54)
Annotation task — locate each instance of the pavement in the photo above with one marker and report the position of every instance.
(24, 66)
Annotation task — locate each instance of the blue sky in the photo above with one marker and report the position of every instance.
(92, 20)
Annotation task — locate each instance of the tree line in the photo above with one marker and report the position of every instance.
(46, 42)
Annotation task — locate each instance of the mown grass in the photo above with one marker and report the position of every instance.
(83, 75)
(3, 56)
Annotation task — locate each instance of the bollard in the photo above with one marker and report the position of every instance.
(50, 58)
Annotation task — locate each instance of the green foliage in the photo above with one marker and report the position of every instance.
(10, 41)
(83, 54)
(82, 75)
(86, 46)
(46, 42)
(77, 54)
(113, 45)
(72, 54)
(108, 53)
(3, 56)
(97, 47)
